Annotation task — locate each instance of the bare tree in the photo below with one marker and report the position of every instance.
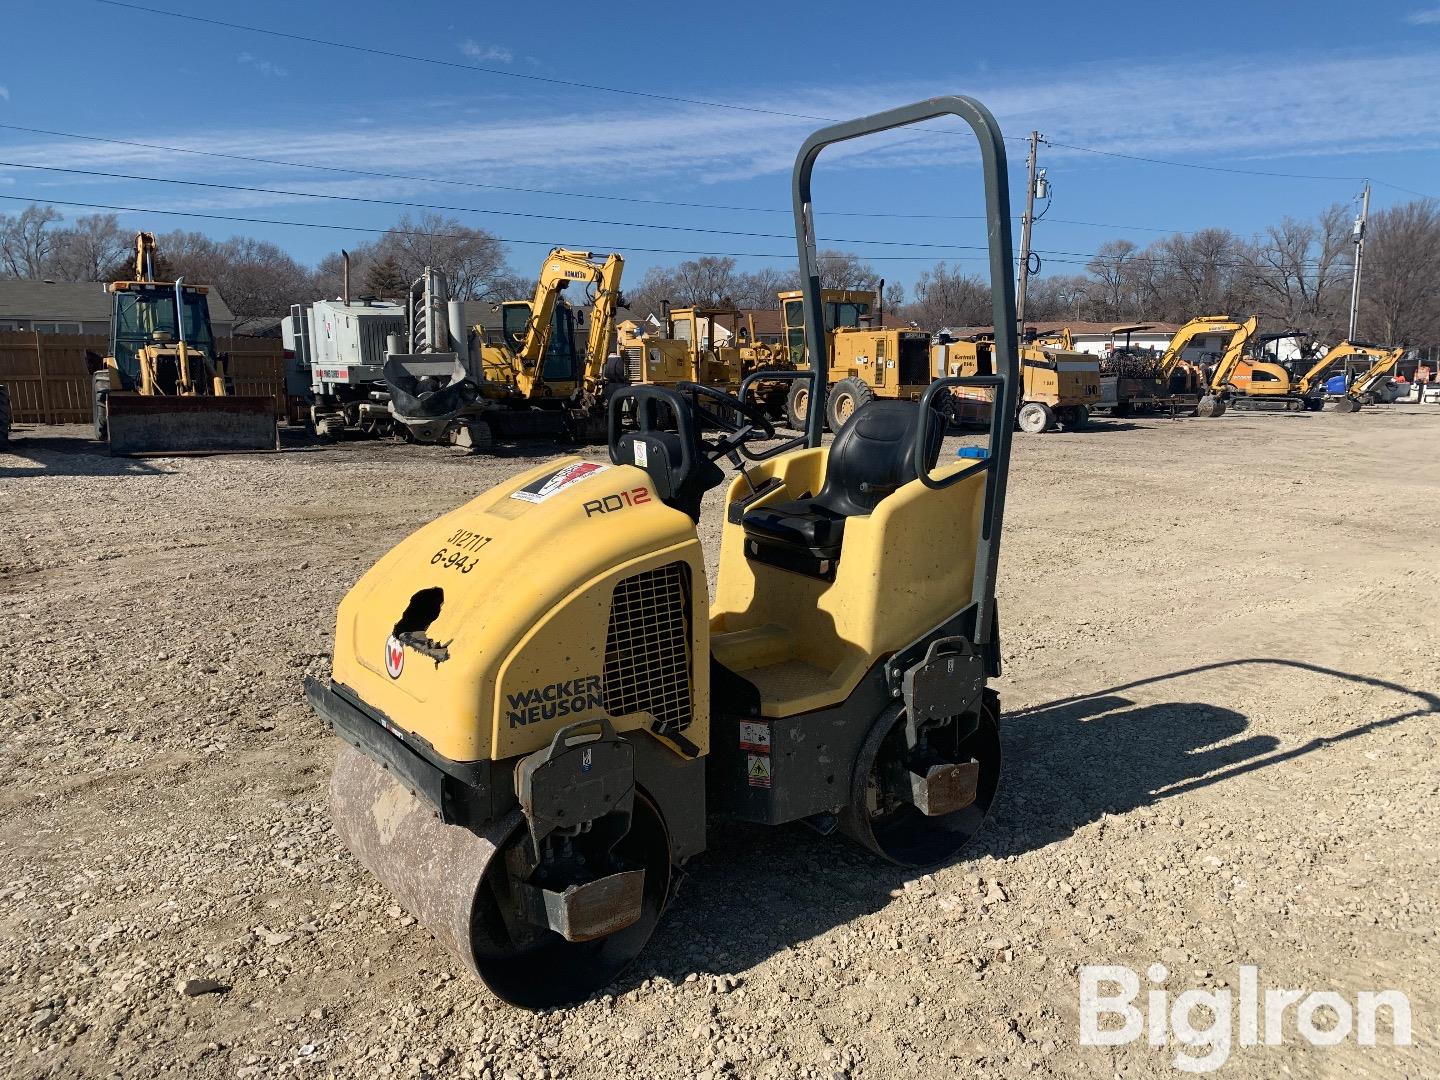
(92, 249)
(1113, 294)
(1295, 276)
(845, 270)
(945, 297)
(471, 259)
(26, 243)
(1402, 275)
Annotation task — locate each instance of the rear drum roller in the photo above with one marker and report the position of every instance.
(881, 817)
(464, 886)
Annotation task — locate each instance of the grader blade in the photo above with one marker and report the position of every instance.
(142, 425)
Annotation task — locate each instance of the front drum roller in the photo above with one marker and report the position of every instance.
(464, 886)
(884, 818)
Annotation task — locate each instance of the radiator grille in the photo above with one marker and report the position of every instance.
(647, 647)
(635, 363)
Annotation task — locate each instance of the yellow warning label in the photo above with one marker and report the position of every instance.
(758, 770)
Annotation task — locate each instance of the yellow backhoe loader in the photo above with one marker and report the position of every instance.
(162, 389)
(452, 384)
(544, 708)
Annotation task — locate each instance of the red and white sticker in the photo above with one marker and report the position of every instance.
(394, 657)
(755, 735)
(537, 491)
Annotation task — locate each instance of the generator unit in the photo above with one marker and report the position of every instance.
(338, 351)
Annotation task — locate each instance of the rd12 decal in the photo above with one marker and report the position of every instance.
(394, 657)
(537, 491)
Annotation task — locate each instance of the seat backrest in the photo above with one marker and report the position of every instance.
(873, 454)
(660, 454)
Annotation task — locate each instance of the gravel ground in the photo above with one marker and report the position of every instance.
(1220, 739)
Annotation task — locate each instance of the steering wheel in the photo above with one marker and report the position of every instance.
(719, 416)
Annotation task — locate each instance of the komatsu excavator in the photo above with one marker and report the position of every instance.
(162, 389)
(545, 709)
(454, 385)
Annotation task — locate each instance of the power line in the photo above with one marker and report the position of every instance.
(471, 210)
(473, 183)
(414, 178)
(1069, 258)
(1190, 164)
(420, 232)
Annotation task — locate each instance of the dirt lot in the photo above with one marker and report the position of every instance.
(1223, 674)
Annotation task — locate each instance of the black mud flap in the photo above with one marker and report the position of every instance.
(582, 784)
(946, 684)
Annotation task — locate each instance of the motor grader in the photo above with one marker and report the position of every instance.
(450, 383)
(542, 702)
(162, 389)
(848, 310)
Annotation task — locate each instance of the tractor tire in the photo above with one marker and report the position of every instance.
(1035, 417)
(846, 398)
(1121, 410)
(797, 405)
(1314, 404)
(1078, 419)
(7, 415)
(100, 385)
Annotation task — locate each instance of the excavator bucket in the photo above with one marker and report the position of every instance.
(142, 425)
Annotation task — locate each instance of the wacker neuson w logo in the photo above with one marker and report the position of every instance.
(1208, 1024)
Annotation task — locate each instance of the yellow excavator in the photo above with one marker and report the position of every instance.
(462, 386)
(1174, 382)
(1321, 383)
(1256, 384)
(163, 389)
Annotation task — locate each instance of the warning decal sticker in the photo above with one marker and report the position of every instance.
(537, 491)
(755, 735)
(757, 770)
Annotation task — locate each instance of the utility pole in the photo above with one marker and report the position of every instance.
(1034, 180)
(1359, 241)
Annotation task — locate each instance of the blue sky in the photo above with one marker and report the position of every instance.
(1321, 88)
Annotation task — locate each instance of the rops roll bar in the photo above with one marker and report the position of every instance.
(1002, 287)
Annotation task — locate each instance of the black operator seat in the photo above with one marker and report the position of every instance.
(872, 455)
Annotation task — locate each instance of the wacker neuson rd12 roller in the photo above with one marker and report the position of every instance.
(542, 702)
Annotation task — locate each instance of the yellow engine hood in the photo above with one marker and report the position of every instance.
(525, 574)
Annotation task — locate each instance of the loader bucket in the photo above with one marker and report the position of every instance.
(144, 425)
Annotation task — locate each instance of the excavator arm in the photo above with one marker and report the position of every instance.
(560, 269)
(1383, 362)
(1234, 353)
(1239, 332)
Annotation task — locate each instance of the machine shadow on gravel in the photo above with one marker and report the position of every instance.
(62, 456)
(1068, 763)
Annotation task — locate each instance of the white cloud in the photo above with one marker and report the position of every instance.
(4, 93)
(1344, 105)
(265, 67)
(486, 53)
(1424, 17)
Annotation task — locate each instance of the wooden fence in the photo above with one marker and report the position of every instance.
(50, 383)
